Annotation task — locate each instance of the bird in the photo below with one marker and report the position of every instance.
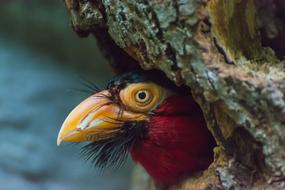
(142, 113)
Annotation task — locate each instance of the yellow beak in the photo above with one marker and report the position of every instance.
(94, 119)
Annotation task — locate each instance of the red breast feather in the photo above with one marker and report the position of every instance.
(178, 142)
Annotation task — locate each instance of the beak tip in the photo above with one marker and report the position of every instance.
(59, 140)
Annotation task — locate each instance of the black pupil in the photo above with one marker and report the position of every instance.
(142, 95)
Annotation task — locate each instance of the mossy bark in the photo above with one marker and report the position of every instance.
(217, 48)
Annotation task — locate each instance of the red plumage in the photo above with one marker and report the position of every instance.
(178, 142)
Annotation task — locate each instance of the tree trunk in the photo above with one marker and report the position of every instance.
(229, 52)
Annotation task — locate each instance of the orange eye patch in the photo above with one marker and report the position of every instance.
(142, 97)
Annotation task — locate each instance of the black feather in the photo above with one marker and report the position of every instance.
(155, 76)
(112, 152)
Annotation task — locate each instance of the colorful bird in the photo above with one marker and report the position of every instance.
(145, 114)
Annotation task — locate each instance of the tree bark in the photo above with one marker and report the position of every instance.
(229, 53)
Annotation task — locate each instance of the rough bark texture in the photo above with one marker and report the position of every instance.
(230, 54)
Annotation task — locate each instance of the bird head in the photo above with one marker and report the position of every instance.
(134, 108)
(128, 100)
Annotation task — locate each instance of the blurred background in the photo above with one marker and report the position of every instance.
(42, 63)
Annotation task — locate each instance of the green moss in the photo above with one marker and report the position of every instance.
(250, 18)
(234, 27)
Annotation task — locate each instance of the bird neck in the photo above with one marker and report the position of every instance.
(177, 142)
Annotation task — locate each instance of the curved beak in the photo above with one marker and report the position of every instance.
(95, 118)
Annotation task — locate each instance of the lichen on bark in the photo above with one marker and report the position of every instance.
(217, 48)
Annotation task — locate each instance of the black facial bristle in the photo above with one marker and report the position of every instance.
(90, 86)
(112, 152)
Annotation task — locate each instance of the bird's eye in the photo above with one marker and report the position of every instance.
(142, 96)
